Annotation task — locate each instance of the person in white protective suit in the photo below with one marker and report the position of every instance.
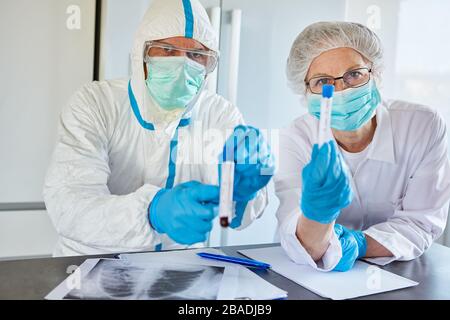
(380, 188)
(136, 163)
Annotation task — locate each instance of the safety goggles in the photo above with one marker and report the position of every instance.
(207, 58)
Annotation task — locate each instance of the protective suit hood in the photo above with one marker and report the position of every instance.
(166, 19)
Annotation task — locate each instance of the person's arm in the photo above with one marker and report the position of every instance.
(315, 237)
(76, 194)
(423, 213)
(298, 234)
(375, 249)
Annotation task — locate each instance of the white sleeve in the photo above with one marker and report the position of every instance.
(76, 194)
(423, 214)
(294, 155)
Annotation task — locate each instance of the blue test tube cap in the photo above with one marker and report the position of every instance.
(327, 91)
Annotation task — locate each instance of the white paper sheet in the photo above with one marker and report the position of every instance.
(364, 279)
(240, 283)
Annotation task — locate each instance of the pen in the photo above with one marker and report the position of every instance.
(242, 261)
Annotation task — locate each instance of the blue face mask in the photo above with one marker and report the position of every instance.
(352, 108)
(173, 82)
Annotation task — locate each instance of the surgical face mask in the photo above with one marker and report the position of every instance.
(352, 107)
(173, 82)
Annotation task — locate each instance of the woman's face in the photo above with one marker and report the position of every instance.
(335, 63)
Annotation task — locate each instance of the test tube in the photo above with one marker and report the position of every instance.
(325, 114)
(226, 193)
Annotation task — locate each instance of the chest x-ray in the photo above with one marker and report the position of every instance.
(124, 280)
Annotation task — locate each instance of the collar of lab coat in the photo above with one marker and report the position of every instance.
(382, 148)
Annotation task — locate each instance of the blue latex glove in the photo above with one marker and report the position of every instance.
(326, 184)
(354, 246)
(185, 213)
(254, 161)
(254, 166)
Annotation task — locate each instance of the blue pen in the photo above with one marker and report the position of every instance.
(242, 261)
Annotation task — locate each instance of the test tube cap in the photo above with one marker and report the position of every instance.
(327, 91)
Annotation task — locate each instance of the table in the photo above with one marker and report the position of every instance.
(35, 278)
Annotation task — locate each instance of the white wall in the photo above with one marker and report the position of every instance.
(121, 19)
(43, 60)
(26, 234)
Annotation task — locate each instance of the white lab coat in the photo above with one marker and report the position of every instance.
(401, 189)
(110, 159)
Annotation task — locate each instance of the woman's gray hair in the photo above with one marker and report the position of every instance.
(323, 36)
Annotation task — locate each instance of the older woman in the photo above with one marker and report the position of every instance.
(380, 188)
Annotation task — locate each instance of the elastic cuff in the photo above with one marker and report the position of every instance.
(152, 213)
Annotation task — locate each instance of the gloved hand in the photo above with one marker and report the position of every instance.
(254, 162)
(326, 185)
(254, 166)
(185, 213)
(354, 246)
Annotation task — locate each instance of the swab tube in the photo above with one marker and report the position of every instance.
(325, 114)
(226, 193)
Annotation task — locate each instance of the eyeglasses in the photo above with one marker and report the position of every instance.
(207, 58)
(352, 79)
